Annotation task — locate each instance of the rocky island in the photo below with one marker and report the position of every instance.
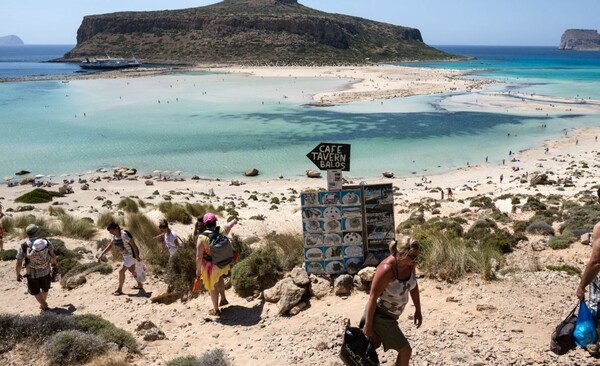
(11, 40)
(580, 40)
(249, 32)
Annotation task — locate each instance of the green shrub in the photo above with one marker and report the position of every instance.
(581, 219)
(181, 268)
(105, 329)
(443, 256)
(66, 264)
(214, 357)
(175, 212)
(8, 255)
(38, 195)
(570, 270)
(289, 248)
(73, 347)
(55, 211)
(415, 219)
(106, 218)
(483, 202)
(8, 223)
(22, 221)
(77, 228)
(197, 209)
(485, 256)
(540, 228)
(61, 250)
(481, 228)
(78, 268)
(533, 204)
(501, 239)
(520, 226)
(242, 247)
(259, 271)
(562, 241)
(144, 231)
(128, 205)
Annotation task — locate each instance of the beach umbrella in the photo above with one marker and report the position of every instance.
(39, 176)
(65, 175)
(157, 171)
(79, 174)
(9, 178)
(167, 172)
(178, 172)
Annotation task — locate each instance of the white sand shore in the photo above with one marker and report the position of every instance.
(525, 309)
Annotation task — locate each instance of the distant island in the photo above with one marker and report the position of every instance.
(249, 32)
(580, 40)
(11, 40)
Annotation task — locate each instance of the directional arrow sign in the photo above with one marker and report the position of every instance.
(331, 156)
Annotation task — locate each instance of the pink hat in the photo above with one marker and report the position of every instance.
(209, 217)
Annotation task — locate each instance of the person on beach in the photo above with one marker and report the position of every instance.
(211, 274)
(591, 276)
(40, 264)
(1, 230)
(501, 177)
(450, 193)
(395, 279)
(123, 240)
(169, 241)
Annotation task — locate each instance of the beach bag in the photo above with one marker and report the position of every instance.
(562, 340)
(585, 328)
(196, 288)
(140, 272)
(221, 250)
(357, 349)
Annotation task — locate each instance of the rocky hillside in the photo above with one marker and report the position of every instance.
(580, 40)
(248, 32)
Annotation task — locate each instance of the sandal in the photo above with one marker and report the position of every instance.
(214, 312)
(137, 288)
(223, 302)
(118, 292)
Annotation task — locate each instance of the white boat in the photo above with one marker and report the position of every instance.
(108, 63)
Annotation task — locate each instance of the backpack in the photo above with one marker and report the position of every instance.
(561, 340)
(221, 250)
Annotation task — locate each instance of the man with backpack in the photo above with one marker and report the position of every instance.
(214, 255)
(123, 240)
(40, 264)
(591, 276)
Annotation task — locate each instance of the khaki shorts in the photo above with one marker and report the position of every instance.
(387, 329)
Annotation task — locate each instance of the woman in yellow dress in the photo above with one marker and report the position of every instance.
(209, 272)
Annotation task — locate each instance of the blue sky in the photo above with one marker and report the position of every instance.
(441, 22)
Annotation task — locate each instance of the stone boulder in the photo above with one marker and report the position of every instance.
(319, 287)
(366, 274)
(251, 172)
(313, 173)
(290, 297)
(273, 294)
(22, 172)
(74, 282)
(388, 174)
(299, 277)
(342, 286)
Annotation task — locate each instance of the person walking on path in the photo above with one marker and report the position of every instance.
(210, 273)
(40, 264)
(591, 276)
(169, 241)
(395, 279)
(501, 177)
(1, 230)
(123, 240)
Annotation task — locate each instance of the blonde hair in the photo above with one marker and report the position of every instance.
(404, 244)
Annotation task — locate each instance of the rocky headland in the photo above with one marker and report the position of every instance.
(250, 32)
(580, 40)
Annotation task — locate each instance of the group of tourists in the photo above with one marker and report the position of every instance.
(393, 284)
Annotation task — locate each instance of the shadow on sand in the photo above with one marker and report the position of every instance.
(241, 315)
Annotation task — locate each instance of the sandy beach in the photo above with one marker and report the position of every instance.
(507, 321)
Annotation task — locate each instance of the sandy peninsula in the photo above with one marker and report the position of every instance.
(506, 321)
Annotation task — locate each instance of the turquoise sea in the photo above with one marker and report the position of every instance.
(217, 125)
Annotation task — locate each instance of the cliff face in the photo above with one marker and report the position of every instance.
(248, 32)
(580, 40)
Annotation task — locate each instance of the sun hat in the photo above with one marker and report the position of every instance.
(209, 217)
(31, 229)
(39, 244)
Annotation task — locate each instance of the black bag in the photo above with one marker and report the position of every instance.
(357, 350)
(562, 341)
(221, 250)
